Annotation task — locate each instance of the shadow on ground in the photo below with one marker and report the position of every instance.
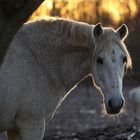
(117, 132)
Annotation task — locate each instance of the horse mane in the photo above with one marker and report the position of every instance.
(109, 36)
(76, 33)
(81, 34)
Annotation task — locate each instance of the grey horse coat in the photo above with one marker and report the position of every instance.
(45, 60)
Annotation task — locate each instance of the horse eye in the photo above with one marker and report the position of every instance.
(99, 60)
(124, 59)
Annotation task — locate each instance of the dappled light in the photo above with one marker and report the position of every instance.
(119, 9)
(90, 11)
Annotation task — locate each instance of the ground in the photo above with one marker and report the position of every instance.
(81, 117)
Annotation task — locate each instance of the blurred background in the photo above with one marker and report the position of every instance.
(109, 12)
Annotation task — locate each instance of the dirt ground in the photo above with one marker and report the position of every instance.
(81, 117)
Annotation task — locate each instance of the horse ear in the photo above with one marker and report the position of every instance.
(98, 31)
(122, 31)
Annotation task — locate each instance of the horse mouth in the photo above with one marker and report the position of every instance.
(112, 108)
(112, 111)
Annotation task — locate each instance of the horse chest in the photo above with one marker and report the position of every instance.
(53, 100)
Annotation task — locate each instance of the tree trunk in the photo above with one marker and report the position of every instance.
(13, 13)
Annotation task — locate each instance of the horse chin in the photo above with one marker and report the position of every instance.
(112, 111)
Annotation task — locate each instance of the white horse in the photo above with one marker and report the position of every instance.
(46, 59)
(134, 96)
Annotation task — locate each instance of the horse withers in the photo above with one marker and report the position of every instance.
(46, 60)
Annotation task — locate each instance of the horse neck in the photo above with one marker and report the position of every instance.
(76, 51)
(72, 45)
(75, 67)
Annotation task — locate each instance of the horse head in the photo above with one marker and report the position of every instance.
(109, 60)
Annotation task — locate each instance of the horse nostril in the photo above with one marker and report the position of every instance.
(110, 103)
(114, 106)
(122, 102)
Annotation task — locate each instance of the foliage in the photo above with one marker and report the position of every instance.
(91, 11)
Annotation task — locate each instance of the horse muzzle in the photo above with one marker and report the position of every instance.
(114, 108)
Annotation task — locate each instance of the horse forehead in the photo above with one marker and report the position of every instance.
(113, 50)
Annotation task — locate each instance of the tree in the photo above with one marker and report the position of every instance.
(13, 13)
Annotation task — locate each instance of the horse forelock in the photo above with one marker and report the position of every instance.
(109, 36)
